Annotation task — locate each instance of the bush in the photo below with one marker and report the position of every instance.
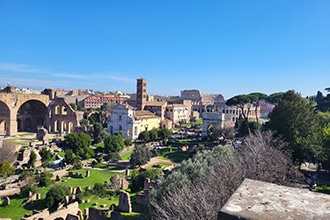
(30, 187)
(55, 196)
(114, 156)
(137, 179)
(99, 190)
(45, 180)
(140, 155)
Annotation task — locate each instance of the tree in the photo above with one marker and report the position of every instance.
(164, 133)
(45, 155)
(243, 102)
(94, 118)
(199, 187)
(55, 196)
(79, 143)
(153, 134)
(97, 133)
(296, 122)
(144, 135)
(256, 98)
(114, 143)
(84, 123)
(7, 152)
(323, 102)
(6, 169)
(99, 190)
(73, 106)
(28, 188)
(138, 178)
(44, 179)
(140, 155)
(69, 156)
(274, 98)
(32, 159)
(128, 142)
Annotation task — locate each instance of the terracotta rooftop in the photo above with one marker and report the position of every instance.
(145, 114)
(155, 103)
(261, 200)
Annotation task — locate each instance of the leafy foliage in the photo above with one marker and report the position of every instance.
(296, 122)
(274, 98)
(164, 133)
(6, 169)
(137, 178)
(44, 179)
(144, 135)
(45, 155)
(199, 187)
(98, 133)
(153, 134)
(32, 159)
(140, 155)
(79, 143)
(30, 187)
(55, 196)
(114, 143)
(99, 190)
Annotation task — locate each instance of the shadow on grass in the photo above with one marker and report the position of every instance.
(37, 204)
(177, 157)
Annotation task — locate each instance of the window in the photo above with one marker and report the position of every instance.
(119, 117)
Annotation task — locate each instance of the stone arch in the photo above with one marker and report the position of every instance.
(31, 114)
(4, 118)
(212, 119)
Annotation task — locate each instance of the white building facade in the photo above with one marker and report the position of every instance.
(123, 120)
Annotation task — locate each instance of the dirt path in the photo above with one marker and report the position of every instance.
(156, 160)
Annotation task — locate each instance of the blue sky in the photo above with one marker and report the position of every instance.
(228, 47)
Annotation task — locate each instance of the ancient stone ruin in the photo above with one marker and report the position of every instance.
(42, 134)
(125, 202)
(6, 201)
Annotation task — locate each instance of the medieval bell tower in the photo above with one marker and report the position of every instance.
(141, 93)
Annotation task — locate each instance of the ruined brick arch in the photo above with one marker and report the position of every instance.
(4, 117)
(10, 103)
(30, 115)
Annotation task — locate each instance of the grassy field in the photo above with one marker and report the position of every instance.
(174, 156)
(15, 210)
(126, 155)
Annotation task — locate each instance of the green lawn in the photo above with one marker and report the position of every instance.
(323, 189)
(174, 156)
(127, 155)
(15, 210)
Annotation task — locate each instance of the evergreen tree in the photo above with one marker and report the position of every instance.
(295, 121)
(140, 155)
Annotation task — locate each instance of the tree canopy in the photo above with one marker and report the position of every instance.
(199, 187)
(45, 155)
(114, 143)
(295, 121)
(32, 159)
(140, 155)
(6, 169)
(79, 143)
(55, 196)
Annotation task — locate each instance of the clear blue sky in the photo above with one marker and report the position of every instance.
(229, 47)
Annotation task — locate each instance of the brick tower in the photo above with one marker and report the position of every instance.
(141, 93)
